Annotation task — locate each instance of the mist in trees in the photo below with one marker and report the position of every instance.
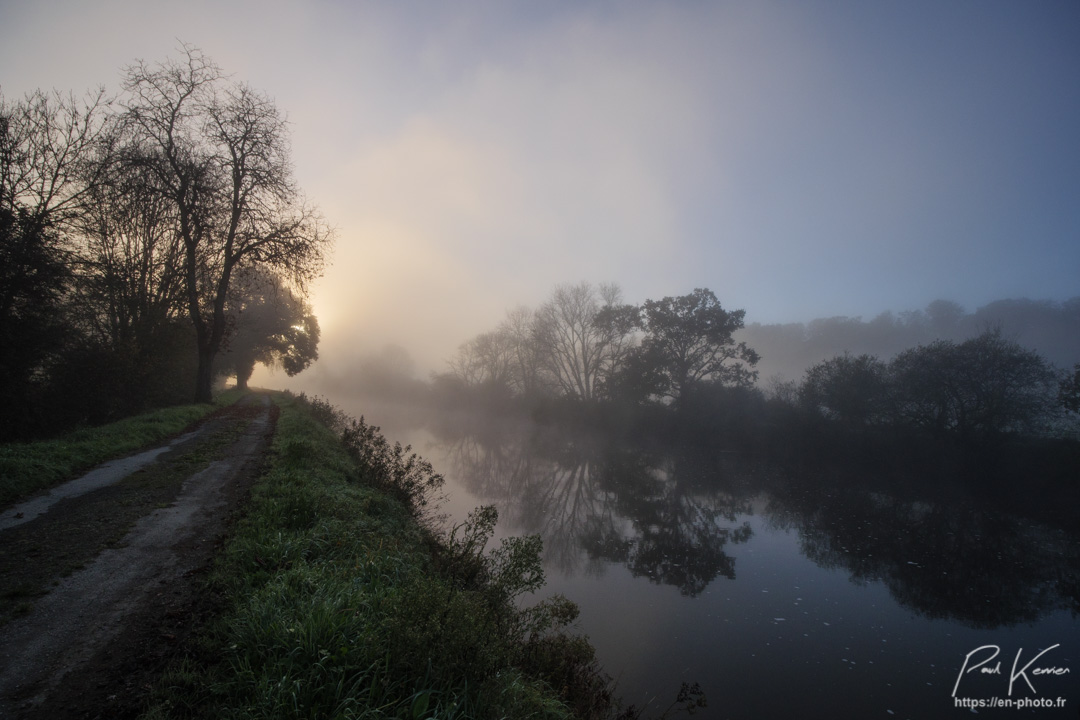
(974, 391)
(788, 350)
(584, 344)
(270, 324)
(131, 231)
(680, 369)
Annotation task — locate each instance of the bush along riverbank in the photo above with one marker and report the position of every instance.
(336, 598)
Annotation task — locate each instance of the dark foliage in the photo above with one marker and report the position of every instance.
(34, 277)
(973, 392)
(1069, 391)
(690, 339)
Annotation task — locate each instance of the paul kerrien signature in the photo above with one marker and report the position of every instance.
(995, 669)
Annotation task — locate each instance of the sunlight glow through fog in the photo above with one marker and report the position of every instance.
(800, 160)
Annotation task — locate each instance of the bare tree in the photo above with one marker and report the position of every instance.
(129, 264)
(577, 349)
(520, 329)
(218, 152)
(505, 360)
(51, 148)
(485, 361)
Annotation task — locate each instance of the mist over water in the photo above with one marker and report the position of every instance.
(718, 539)
(763, 457)
(856, 585)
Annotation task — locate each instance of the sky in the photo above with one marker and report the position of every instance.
(800, 159)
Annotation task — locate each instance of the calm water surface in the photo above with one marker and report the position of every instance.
(783, 592)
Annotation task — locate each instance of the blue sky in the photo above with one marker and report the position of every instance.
(801, 159)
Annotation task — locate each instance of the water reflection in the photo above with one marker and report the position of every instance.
(594, 502)
(673, 517)
(941, 555)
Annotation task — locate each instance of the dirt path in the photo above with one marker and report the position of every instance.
(135, 538)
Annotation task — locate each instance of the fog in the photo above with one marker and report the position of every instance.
(585, 254)
(802, 161)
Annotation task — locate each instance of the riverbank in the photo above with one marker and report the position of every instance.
(333, 598)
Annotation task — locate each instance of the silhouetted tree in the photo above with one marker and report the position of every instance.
(47, 142)
(578, 346)
(130, 274)
(33, 280)
(218, 153)
(974, 390)
(640, 379)
(690, 339)
(53, 148)
(519, 327)
(852, 390)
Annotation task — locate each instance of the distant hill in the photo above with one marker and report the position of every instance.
(787, 350)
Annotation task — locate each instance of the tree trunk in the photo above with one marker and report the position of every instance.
(204, 376)
(243, 373)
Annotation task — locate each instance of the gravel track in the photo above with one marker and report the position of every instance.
(90, 646)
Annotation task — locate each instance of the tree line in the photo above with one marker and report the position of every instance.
(683, 355)
(974, 390)
(585, 344)
(149, 241)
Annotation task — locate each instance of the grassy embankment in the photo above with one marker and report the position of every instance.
(28, 467)
(337, 601)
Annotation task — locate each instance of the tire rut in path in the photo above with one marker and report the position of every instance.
(77, 651)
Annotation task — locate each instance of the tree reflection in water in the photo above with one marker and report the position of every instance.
(593, 502)
(940, 553)
(669, 515)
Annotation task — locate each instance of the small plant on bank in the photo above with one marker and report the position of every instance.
(392, 468)
(325, 413)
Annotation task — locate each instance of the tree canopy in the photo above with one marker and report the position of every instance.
(124, 222)
(269, 324)
(690, 338)
(974, 391)
(585, 343)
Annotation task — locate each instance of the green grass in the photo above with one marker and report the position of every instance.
(337, 602)
(29, 467)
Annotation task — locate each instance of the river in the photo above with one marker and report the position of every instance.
(782, 591)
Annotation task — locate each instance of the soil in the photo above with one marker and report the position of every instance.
(100, 589)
